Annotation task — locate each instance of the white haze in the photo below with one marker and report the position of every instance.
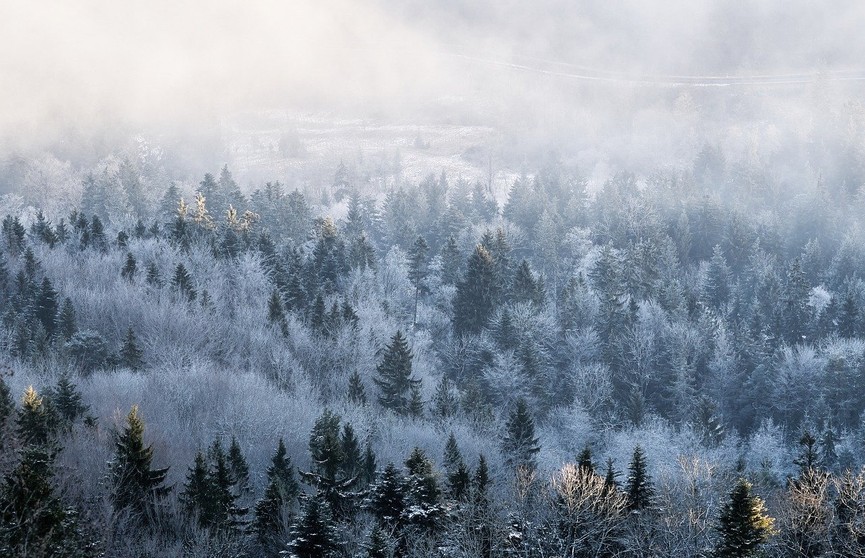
(588, 77)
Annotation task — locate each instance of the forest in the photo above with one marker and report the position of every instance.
(669, 365)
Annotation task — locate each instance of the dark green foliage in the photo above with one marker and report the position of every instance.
(272, 510)
(519, 444)
(445, 403)
(386, 500)
(458, 477)
(743, 526)
(276, 312)
(33, 519)
(808, 458)
(356, 390)
(131, 355)
(315, 534)
(88, 350)
(66, 400)
(352, 460)
(35, 421)
(422, 490)
(584, 460)
(610, 482)
(129, 267)
(417, 269)
(209, 494)
(195, 497)
(47, 307)
(135, 487)
(154, 278)
(97, 234)
(181, 282)
(415, 404)
(368, 467)
(238, 467)
(476, 293)
(451, 261)
(328, 474)
(377, 546)
(66, 326)
(394, 377)
(7, 405)
(525, 287)
(639, 488)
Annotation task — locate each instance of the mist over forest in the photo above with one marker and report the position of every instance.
(443, 279)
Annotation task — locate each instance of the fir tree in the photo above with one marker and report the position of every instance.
(525, 288)
(610, 482)
(131, 356)
(154, 278)
(7, 406)
(445, 401)
(639, 486)
(223, 496)
(377, 547)
(394, 377)
(314, 535)
(135, 486)
(35, 421)
(181, 282)
(584, 460)
(129, 268)
(368, 467)
(744, 525)
(281, 491)
(476, 294)
(808, 459)
(238, 467)
(415, 404)
(276, 312)
(47, 307)
(196, 494)
(352, 460)
(66, 400)
(97, 234)
(520, 444)
(66, 326)
(459, 479)
(356, 390)
(451, 262)
(386, 500)
(417, 270)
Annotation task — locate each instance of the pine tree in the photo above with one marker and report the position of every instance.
(394, 377)
(744, 525)
(525, 288)
(808, 459)
(154, 278)
(129, 268)
(445, 401)
(352, 460)
(520, 444)
(281, 491)
(377, 547)
(66, 320)
(181, 282)
(584, 460)
(314, 535)
(223, 497)
(196, 495)
(386, 500)
(135, 486)
(639, 486)
(47, 307)
(417, 270)
(35, 421)
(33, 519)
(415, 404)
(356, 390)
(459, 480)
(238, 467)
(476, 294)
(131, 356)
(66, 400)
(276, 312)
(610, 482)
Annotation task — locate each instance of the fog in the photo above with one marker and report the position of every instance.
(611, 83)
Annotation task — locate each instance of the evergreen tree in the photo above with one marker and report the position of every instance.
(272, 510)
(276, 312)
(314, 535)
(33, 519)
(848, 321)
(97, 234)
(352, 460)
(377, 547)
(222, 494)
(135, 486)
(35, 420)
(808, 459)
(196, 495)
(394, 377)
(520, 444)
(131, 356)
(417, 270)
(459, 479)
(639, 486)
(368, 467)
(356, 390)
(154, 278)
(181, 282)
(445, 401)
(451, 262)
(525, 288)
(744, 525)
(238, 467)
(422, 491)
(66, 400)
(415, 404)
(476, 294)
(129, 268)
(386, 500)
(610, 482)
(584, 460)
(7, 405)
(47, 307)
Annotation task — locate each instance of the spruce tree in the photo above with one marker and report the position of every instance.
(459, 479)
(368, 467)
(744, 525)
(196, 495)
(808, 459)
(315, 535)
(584, 460)
(415, 404)
(238, 467)
(47, 307)
(66, 326)
(476, 294)
(639, 485)
(7, 405)
(445, 403)
(129, 268)
(35, 421)
(387, 495)
(417, 270)
(223, 497)
(181, 282)
(131, 356)
(356, 390)
(520, 444)
(276, 312)
(135, 486)
(352, 459)
(394, 377)
(154, 278)
(66, 400)
(377, 547)
(281, 491)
